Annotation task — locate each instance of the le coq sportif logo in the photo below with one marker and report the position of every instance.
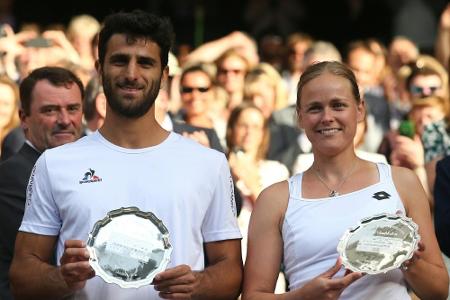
(90, 177)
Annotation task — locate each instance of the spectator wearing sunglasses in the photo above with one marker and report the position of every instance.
(428, 78)
(197, 97)
(231, 70)
(405, 148)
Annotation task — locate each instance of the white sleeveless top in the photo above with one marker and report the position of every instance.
(312, 229)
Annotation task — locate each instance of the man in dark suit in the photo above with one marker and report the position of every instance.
(51, 114)
(442, 204)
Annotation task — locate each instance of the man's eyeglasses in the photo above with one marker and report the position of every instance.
(419, 90)
(188, 89)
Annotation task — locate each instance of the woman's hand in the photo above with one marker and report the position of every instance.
(326, 287)
(416, 256)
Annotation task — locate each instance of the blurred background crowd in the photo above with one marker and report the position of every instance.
(234, 70)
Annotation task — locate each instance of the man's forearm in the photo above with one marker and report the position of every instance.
(219, 281)
(37, 280)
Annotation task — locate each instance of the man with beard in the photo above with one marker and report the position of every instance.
(51, 113)
(136, 163)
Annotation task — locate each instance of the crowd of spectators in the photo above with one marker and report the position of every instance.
(226, 89)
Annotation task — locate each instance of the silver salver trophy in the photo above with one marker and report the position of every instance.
(129, 247)
(379, 243)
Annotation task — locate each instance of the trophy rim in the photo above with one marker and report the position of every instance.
(93, 255)
(378, 218)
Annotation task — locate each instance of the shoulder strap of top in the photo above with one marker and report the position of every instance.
(384, 171)
(295, 185)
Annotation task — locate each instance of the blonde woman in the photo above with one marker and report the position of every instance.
(299, 221)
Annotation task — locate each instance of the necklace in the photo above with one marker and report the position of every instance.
(334, 192)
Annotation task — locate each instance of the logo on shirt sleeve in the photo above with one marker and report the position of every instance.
(233, 199)
(90, 177)
(30, 186)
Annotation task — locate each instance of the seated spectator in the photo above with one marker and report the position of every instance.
(320, 51)
(264, 88)
(247, 140)
(197, 92)
(363, 62)
(408, 151)
(94, 105)
(401, 51)
(428, 77)
(421, 78)
(231, 70)
(205, 136)
(80, 32)
(297, 44)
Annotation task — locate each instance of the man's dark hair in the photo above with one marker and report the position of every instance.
(55, 75)
(137, 24)
(197, 68)
(93, 88)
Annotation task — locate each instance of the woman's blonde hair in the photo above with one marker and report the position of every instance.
(331, 67)
(267, 74)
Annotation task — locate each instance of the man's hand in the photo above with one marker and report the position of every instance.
(177, 283)
(75, 268)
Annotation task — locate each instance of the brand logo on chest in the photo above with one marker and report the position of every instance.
(90, 177)
(382, 195)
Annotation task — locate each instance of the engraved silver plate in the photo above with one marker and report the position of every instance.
(379, 243)
(129, 247)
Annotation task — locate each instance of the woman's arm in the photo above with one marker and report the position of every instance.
(265, 248)
(426, 275)
(210, 51)
(443, 38)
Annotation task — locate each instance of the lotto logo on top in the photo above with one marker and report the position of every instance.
(90, 177)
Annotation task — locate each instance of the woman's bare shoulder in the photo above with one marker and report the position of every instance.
(402, 175)
(273, 200)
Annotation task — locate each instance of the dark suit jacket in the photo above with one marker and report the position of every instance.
(14, 175)
(442, 204)
(214, 143)
(283, 145)
(12, 143)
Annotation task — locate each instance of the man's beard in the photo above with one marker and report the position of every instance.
(124, 107)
